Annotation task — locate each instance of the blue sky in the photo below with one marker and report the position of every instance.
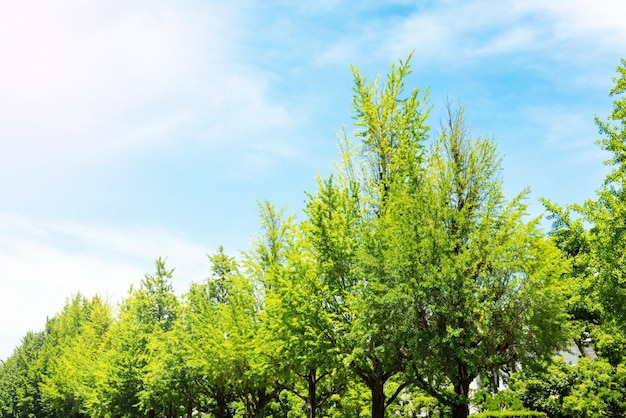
(132, 130)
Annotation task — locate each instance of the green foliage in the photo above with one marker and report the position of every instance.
(510, 414)
(78, 337)
(169, 376)
(354, 402)
(591, 388)
(614, 128)
(501, 400)
(22, 371)
(598, 391)
(349, 228)
(610, 343)
(392, 130)
(223, 342)
(480, 287)
(545, 389)
(430, 266)
(608, 213)
(303, 357)
(148, 311)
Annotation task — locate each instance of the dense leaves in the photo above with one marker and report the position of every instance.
(592, 236)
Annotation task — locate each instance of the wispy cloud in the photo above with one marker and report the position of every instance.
(43, 263)
(458, 32)
(599, 23)
(81, 81)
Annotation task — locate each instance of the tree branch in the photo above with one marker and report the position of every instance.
(395, 394)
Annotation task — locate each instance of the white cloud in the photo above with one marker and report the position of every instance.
(42, 264)
(517, 39)
(84, 80)
(599, 23)
(453, 32)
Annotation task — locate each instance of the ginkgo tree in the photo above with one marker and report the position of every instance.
(149, 309)
(224, 341)
(81, 337)
(607, 213)
(487, 286)
(436, 276)
(298, 331)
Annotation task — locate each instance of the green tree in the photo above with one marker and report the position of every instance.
(299, 331)
(203, 343)
(607, 213)
(77, 338)
(170, 376)
(221, 319)
(21, 375)
(436, 277)
(346, 225)
(147, 310)
(487, 285)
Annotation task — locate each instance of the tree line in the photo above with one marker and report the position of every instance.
(408, 286)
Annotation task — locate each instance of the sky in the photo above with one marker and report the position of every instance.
(144, 129)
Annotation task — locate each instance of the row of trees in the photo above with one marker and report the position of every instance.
(408, 277)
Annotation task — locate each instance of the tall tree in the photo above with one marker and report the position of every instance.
(149, 309)
(608, 212)
(436, 276)
(221, 318)
(346, 223)
(486, 286)
(298, 330)
(21, 376)
(77, 339)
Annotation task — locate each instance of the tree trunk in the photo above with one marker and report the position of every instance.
(378, 398)
(222, 403)
(311, 400)
(461, 408)
(263, 398)
(189, 408)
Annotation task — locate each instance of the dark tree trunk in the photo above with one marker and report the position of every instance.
(255, 400)
(189, 408)
(461, 408)
(222, 403)
(311, 400)
(263, 398)
(377, 387)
